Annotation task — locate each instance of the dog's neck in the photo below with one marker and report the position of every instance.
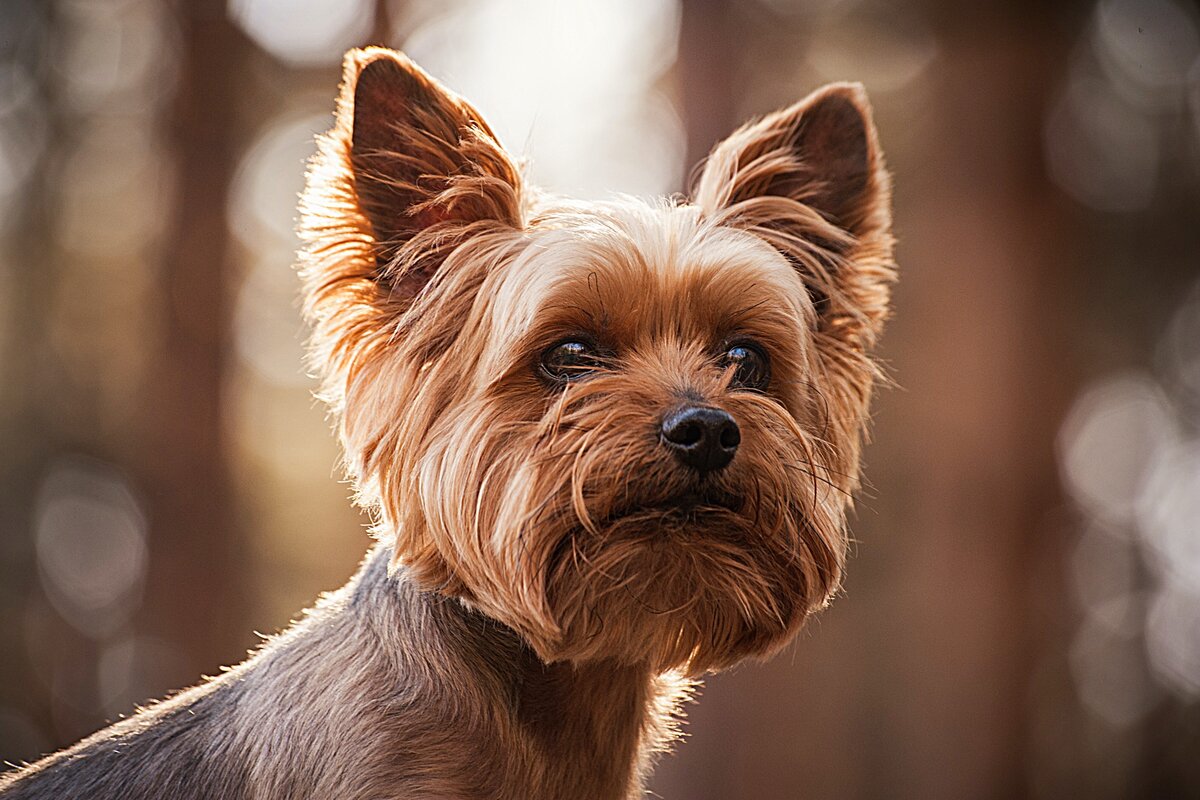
(525, 728)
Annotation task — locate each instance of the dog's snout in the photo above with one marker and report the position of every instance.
(701, 437)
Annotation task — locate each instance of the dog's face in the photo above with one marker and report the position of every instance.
(625, 430)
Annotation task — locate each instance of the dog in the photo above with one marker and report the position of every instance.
(608, 448)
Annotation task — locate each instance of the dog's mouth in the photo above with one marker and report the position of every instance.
(657, 521)
(690, 501)
(684, 506)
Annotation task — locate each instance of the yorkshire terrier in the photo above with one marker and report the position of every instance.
(610, 447)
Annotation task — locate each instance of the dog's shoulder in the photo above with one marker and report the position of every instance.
(175, 748)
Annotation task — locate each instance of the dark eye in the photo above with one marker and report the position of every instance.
(570, 361)
(752, 369)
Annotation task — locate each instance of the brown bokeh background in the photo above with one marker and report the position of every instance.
(1022, 614)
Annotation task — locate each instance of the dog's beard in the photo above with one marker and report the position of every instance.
(701, 587)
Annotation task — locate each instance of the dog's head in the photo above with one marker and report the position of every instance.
(625, 430)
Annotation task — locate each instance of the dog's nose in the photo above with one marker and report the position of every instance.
(703, 438)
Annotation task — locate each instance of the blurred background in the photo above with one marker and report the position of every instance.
(1022, 614)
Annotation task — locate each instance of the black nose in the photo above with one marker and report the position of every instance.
(700, 437)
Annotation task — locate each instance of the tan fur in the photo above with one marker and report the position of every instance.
(550, 580)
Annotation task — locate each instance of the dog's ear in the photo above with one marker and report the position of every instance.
(822, 152)
(406, 157)
(421, 155)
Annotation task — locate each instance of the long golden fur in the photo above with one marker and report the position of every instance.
(550, 579)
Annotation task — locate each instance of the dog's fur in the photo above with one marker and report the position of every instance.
(549, 579)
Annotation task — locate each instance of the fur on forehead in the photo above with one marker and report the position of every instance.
(632, 270)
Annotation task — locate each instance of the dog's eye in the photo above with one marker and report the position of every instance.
(569, 361)
(752, 369)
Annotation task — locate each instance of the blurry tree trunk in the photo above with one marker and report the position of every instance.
(984, 312)
(196, 585)
(708, 72)
(381, 25)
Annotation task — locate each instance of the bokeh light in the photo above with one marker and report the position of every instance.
(1105, 133)
(1150, 44)
(22, 132)
(1178, 356)
(304, 32)
(1099, 149)
(91, 545)
(884, 45)
(1130, 456)
(1169, 512)
(1110, 439)
(1108, 665)
(262, 208)
(117, 56)
(1173, 638)
(573, 85)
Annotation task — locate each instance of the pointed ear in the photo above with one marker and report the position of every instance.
(421, 157)
(822, 152)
